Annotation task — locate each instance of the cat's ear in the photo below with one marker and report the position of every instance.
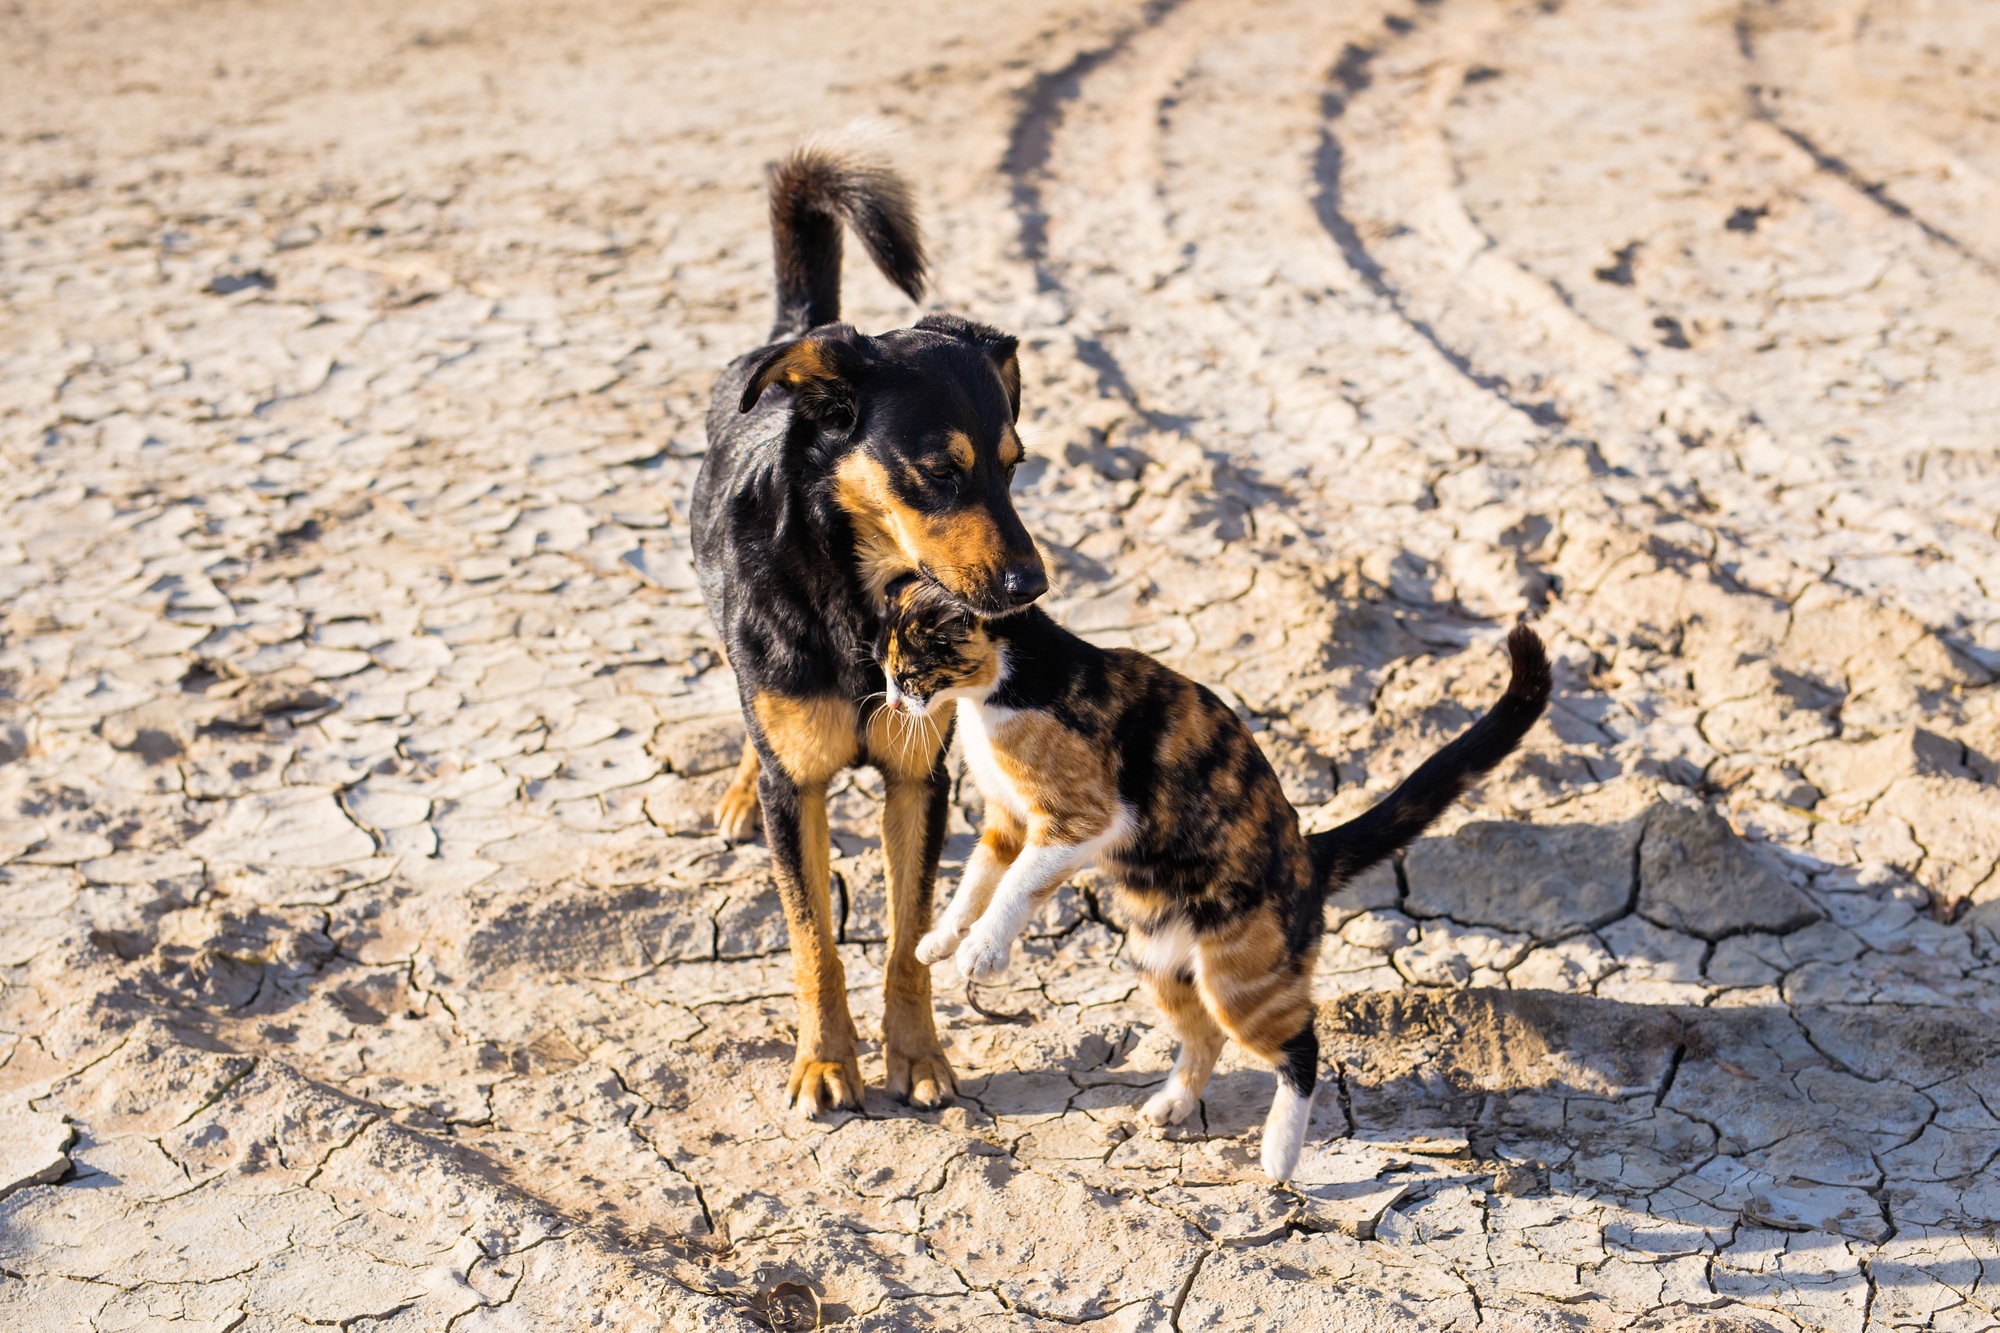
(896, 604)
(821, 372)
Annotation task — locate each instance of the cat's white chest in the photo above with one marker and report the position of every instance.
(975, 728)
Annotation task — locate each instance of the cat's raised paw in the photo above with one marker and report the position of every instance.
(982, 957)
(1170, 1105)
(939, 943)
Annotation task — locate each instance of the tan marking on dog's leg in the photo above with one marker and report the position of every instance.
(826, 1073)
(1201, 1044)
(813, 737)
(737, 813)
(912, 823)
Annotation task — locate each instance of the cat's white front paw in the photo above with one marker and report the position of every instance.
(939, 943)
(983, 956)
(1170, 1105)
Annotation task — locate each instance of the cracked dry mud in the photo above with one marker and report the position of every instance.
(367, 956)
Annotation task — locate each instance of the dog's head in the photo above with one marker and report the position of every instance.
(922, 424)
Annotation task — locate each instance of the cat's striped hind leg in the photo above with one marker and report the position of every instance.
(1201, 1042)
(1261, 994)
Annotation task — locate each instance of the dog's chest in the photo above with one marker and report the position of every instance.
(976, 723)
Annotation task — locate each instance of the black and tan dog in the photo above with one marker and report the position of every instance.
(837, 462)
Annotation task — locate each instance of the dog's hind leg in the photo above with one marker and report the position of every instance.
(916, 788)
(736, 814)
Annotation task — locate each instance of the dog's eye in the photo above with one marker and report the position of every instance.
(942, 470)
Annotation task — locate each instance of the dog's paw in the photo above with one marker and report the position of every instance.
(983, 956)
(1170, 1105)
(942, 942)
(819, 1086)
(738, 814)
(925, 1081)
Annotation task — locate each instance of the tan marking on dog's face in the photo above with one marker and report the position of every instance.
(861, 488)
(1010, 448)
(961, 548)
(1010, 382)
(1067, 784)
(813, 738)
(959, 445)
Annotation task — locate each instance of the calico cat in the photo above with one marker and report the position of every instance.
(1087, 754)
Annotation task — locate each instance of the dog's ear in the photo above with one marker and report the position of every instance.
(819, 370)
(1003, 349)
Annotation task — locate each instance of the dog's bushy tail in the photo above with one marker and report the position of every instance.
(819, 185)
(1393, 823)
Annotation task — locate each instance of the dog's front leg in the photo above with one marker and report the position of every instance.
(825, 1072)
(913, 820)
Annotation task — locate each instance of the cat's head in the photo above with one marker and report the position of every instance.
(931, 649)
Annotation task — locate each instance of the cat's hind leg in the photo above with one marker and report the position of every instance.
(1291, 1106)
(1261, 994)
(1201, 1042)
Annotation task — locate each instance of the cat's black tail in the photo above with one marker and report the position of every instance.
(1393, 823)
(819, 185)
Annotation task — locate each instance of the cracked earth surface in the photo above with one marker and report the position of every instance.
(368, 958)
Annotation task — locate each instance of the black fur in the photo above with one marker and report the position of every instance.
(813, 191)
(1341, 853)
(1300, 1064)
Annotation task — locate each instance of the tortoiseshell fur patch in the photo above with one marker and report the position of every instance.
(1087, 754)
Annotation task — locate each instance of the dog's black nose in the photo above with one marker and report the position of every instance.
(1024, 583)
